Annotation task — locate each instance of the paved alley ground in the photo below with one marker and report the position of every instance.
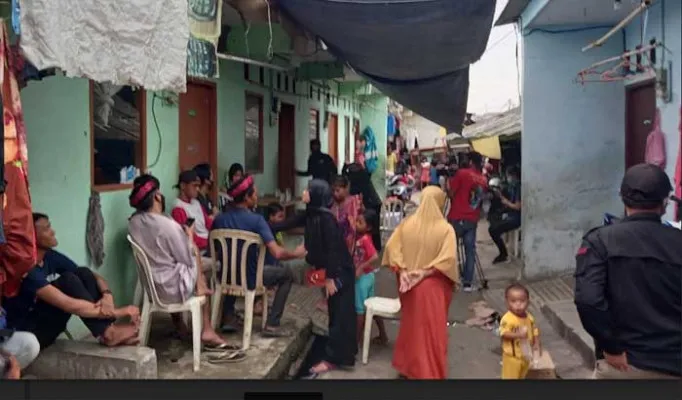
(474, 353)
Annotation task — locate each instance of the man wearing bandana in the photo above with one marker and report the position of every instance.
(629, 284)
(175, 264)
(242, 217)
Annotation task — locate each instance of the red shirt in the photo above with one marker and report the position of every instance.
(364, 251)
(467, 186)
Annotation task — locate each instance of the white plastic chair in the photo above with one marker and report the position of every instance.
(152, 303)
(377, 307)
(229, 285)
(392, 211)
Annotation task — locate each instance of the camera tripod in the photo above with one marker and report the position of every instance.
(480, 275)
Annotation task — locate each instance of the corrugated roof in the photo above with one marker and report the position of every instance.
(504, 124)
(512, 12)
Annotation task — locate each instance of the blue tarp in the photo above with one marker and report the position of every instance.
(417, 52)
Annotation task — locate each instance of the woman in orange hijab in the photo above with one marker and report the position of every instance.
(423, 253)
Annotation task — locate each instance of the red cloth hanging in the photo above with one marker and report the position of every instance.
(18, 253)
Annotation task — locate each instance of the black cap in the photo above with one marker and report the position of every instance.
(188, 176)
(645, 186)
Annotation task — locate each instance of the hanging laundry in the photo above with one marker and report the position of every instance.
(655, 144)
(136, 42)
(95, 230)
(204, 27)
(18, 253)
(390, 125)
(16, 17)
(371, 153)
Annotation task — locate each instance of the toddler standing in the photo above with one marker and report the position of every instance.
(520, 336)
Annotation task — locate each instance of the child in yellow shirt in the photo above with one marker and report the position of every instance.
(520, 336)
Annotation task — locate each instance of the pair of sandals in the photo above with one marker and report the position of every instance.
(224, 353)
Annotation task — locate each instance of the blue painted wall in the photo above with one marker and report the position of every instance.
(572, 147)
(665, 24)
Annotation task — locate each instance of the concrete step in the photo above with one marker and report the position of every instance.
(76, 359)
(268, 358)
(563, 316)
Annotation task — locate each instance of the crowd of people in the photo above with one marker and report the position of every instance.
(627, 278)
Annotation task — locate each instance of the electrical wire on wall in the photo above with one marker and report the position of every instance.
(158, 133)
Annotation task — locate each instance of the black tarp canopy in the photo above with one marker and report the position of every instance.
(417, 52)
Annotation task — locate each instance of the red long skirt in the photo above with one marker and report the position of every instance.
(421, 350)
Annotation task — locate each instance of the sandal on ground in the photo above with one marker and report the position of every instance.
(326, 367)
(227, 357)
(275, 333)
(220, 348)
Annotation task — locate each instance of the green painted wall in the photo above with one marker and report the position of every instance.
(56, 111)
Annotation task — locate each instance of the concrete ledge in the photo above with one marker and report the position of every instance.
(74, 359)
(563, 316)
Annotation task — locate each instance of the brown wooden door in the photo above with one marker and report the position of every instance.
(197, 125)
(333, 136)
(286, 149)
(640, 111)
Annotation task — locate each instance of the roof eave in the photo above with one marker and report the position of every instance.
(512, 12)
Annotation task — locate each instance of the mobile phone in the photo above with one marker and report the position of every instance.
(189, 222)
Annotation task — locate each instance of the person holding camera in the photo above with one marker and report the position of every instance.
(510, 218)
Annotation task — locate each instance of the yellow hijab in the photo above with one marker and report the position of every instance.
(426, 239)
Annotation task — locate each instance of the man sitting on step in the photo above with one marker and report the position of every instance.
(57, 288)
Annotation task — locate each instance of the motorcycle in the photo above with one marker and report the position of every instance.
(400, 186)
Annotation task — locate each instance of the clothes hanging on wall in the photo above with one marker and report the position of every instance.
(390, 125)
(371, 152)
(204, 28)
(16, 17)
(655, 144)
(151, 52)
(95, 230)
(18, 253)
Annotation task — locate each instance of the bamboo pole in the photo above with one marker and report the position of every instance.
(642, 6)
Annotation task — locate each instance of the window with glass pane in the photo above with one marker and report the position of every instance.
(253, 115)
(314, 124)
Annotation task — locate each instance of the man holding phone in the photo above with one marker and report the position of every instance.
(188, 211)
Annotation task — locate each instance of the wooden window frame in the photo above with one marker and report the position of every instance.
(261, 161)
(141, 158)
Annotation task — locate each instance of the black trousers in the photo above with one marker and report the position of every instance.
(47, 322)
(342, 344)
(500, 227)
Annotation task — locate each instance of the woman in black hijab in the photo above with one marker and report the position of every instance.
(327, 250)
(361, 183)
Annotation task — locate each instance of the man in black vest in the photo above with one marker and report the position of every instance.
(628, 289)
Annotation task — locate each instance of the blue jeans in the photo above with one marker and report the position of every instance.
(466, 230)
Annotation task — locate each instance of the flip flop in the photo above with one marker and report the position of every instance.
(275, 333)
(220, 348)
(228, 357)
(315, 374)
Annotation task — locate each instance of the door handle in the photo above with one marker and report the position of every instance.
(647, 122)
